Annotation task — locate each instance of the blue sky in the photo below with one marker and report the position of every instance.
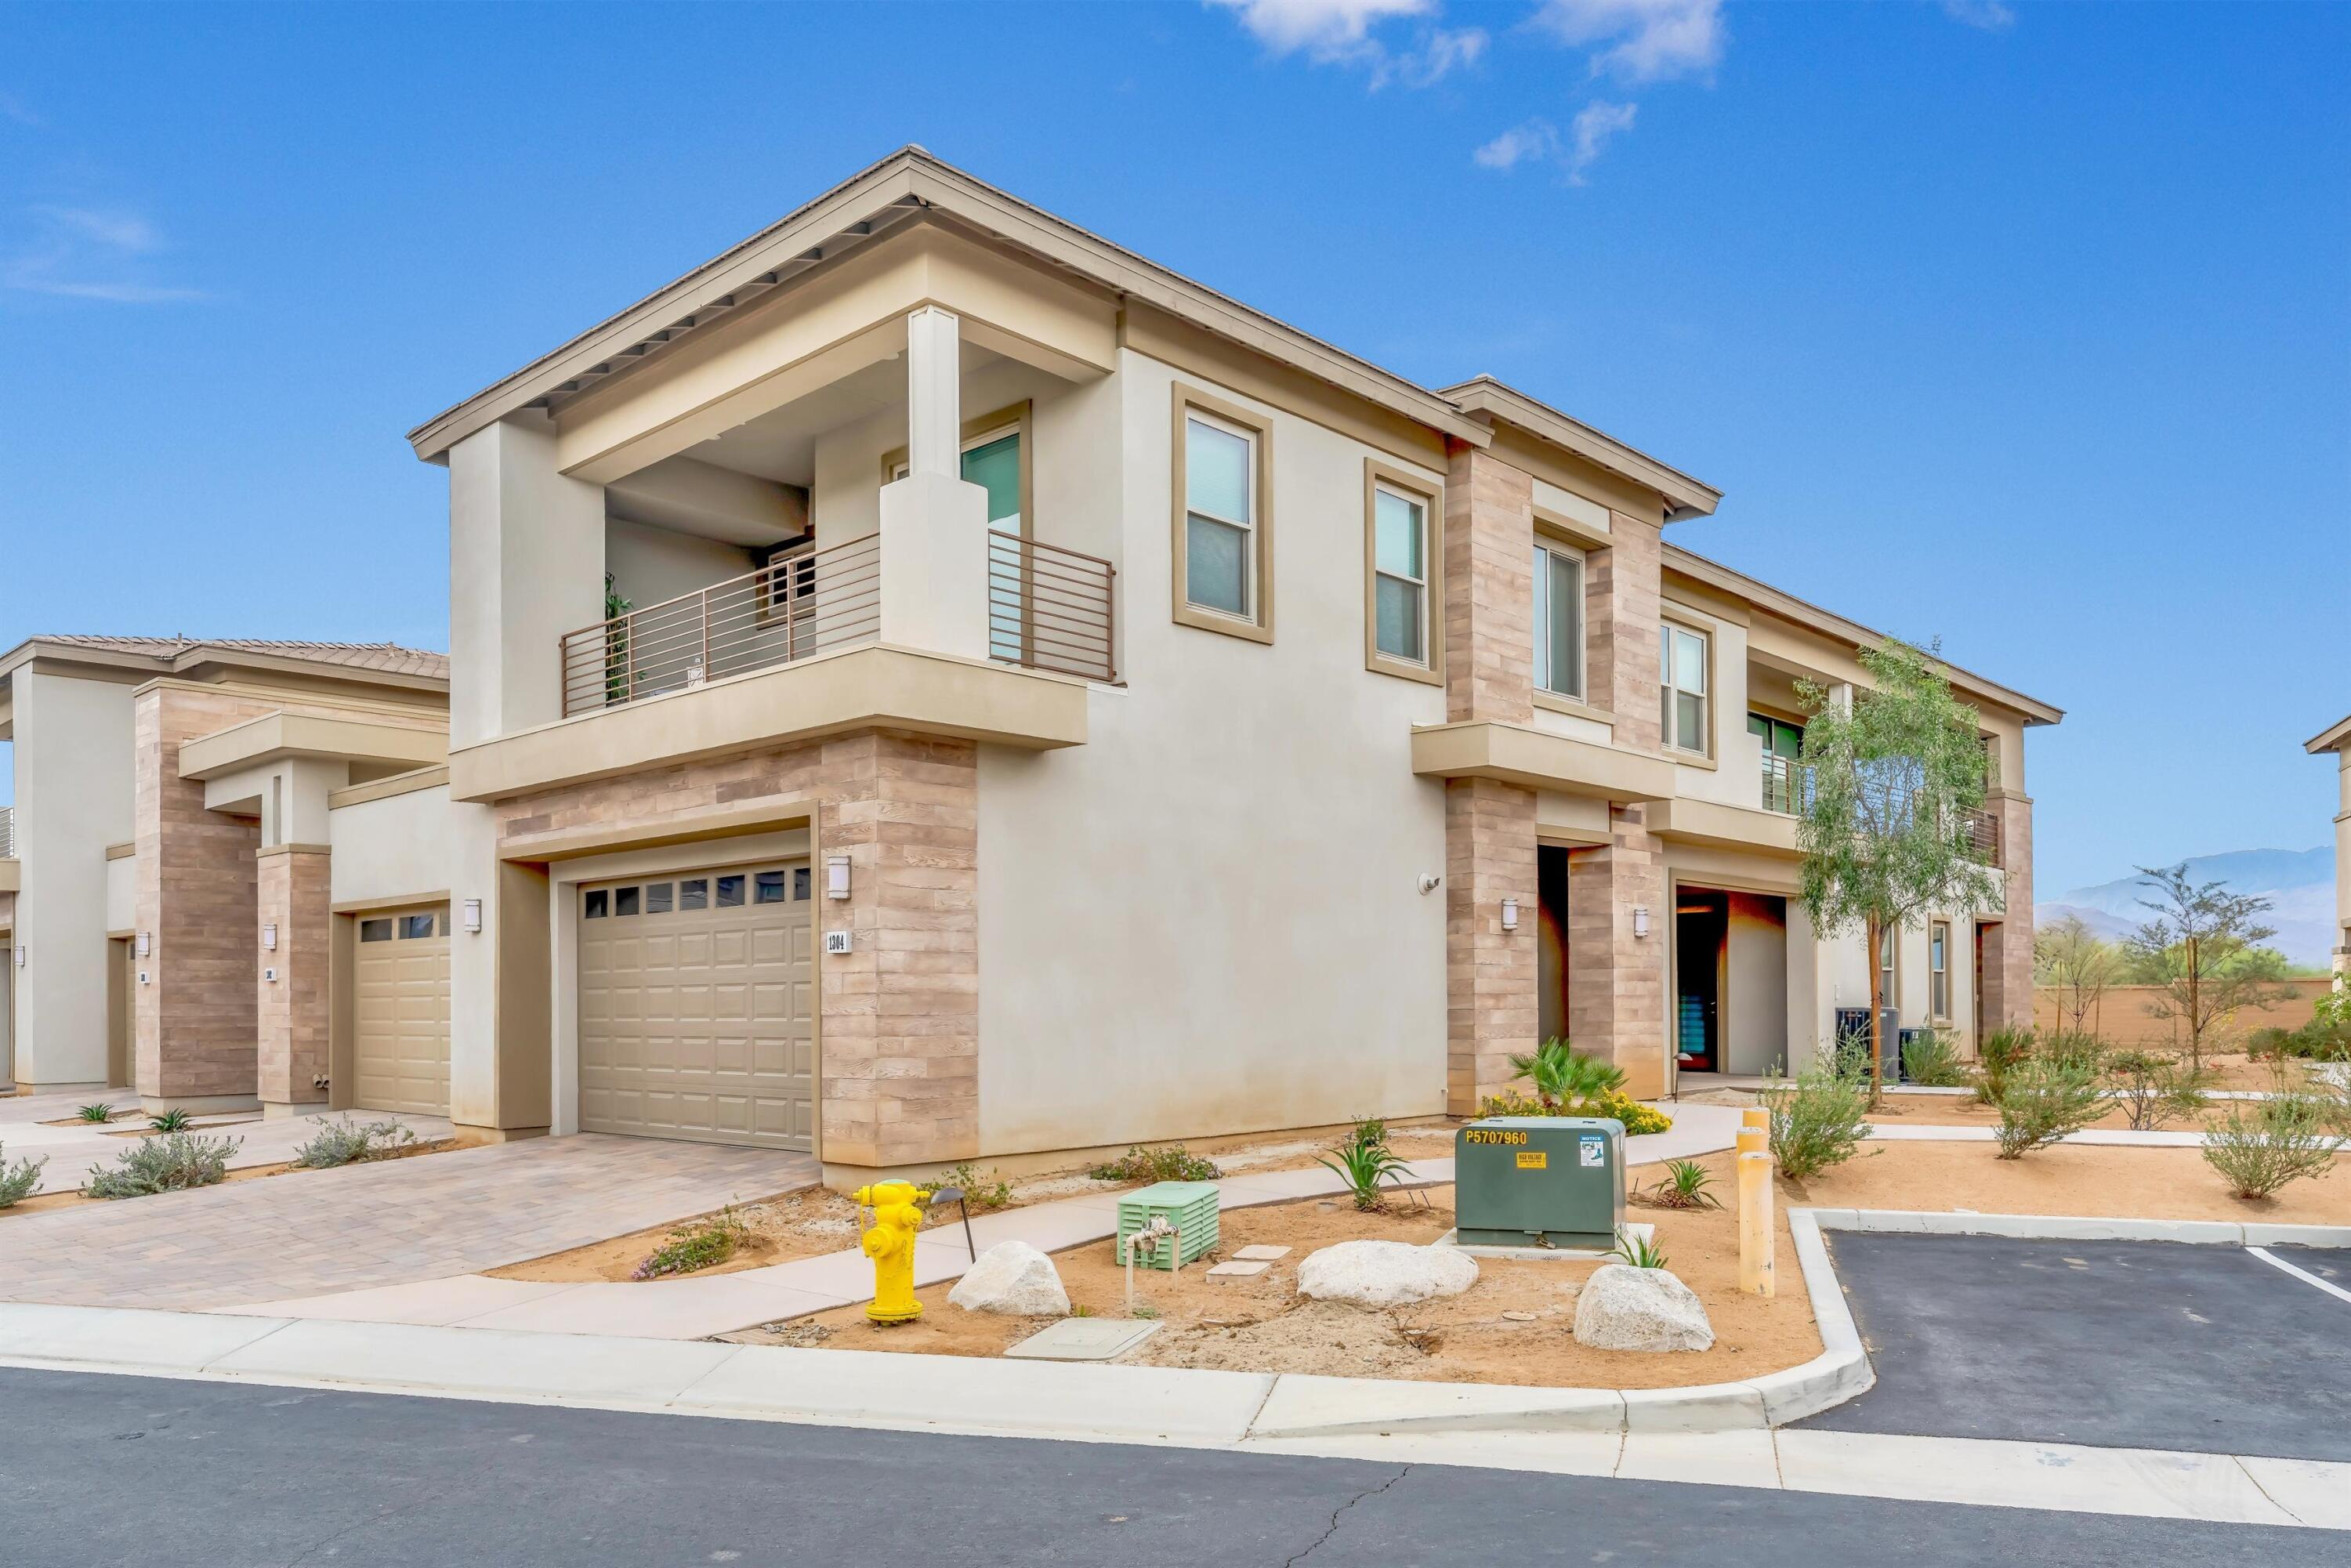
(2022, 326)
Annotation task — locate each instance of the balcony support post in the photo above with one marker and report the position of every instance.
(935, 526)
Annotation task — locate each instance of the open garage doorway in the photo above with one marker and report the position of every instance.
(1730, 981)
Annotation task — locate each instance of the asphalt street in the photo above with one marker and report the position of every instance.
(98, 1469)
(2134, 1344)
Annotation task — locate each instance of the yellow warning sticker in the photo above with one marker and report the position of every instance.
(1534, 1160)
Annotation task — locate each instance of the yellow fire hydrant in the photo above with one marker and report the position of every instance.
(897, 1209)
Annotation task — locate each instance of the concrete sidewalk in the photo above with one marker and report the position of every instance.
(696, 1307)
(70, 1152)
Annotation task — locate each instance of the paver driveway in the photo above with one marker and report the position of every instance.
(306, 1233)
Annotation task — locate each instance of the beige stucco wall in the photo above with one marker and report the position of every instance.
(74, 779)
(1208, 918)
(651, 565)
(396, 847)
(1755, 985)
(122, 894)
(2343, 870)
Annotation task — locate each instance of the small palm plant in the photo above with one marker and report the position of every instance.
(1639, 1251)
(1684, 1186)
(1364, 1161)
(175, 1120)
(1561, 1078)
(100, 1112)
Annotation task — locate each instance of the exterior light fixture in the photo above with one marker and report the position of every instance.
(1429, 881)
(146, 943)
(470, 915)
(269, 937)
(20, 954)
(1509, 915)
(1640, 920)
(836, 876)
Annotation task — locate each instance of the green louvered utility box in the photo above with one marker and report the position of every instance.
(1534, 1181)
(1190, 1206)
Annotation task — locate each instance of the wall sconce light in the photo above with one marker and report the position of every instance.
(20, 954)
(1509, 915)
(1429, 881)
(1640, 920)
(836, 876)
(146, 943)
(470, 915)
(269, 937)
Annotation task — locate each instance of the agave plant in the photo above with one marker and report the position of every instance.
(1638, 1251)
(100, 1112)
(1684, 1185)
(1364, 1161)
(175, 1120)
(1561, 1077)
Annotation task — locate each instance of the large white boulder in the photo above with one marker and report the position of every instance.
(1385, 1274)
(1014, 1278)
(1625, 1308)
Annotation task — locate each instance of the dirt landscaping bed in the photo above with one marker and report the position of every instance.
(2099, 1180)
(1260, 1323)
(1961, 1111)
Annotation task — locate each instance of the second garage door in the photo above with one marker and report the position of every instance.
(401, 1016)
(695, 1006)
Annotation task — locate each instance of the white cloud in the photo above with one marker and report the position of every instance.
(89, 253)
(1990, 16)
(1645, 40)
(1595, 125)
(1340, 32)
(1536, 139)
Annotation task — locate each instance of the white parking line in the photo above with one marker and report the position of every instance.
(2275, 1261)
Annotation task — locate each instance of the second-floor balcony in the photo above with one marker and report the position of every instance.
(1049, 608)
(7, 832)
(1787, 789)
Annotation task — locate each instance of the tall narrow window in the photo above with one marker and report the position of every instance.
(1887, 970)
(1559, 620)
(1681, 671)
(1938, 968)
(1400, 575)
(1219, 516)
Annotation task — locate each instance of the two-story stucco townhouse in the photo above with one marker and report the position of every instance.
(931, 683)
(198, 899)
(2336, 738)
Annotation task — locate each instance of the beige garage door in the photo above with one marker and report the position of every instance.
(695, 1006)
(400, 1012)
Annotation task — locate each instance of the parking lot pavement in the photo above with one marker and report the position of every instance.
(2146, 1345)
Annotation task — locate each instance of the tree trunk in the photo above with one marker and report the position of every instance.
(1877, 1018)
(2195, 1017)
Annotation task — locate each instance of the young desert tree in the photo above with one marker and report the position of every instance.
(2070, 959)
(1888, 832)
(2201, 950)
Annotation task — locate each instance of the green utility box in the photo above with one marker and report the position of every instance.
(1189, 1206)
(1540, 1181)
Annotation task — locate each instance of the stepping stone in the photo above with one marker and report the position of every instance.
(1237, 1269)
(1085, 1339)
(1261, 1254)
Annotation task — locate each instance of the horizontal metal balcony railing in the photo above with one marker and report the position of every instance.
(797, 605)
(7, 832)
(1787, 786)
(1983, 834)
(1049, 608)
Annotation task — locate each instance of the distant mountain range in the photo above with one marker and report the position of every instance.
(2299, 884)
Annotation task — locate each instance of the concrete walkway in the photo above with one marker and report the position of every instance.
(361, 1227)
(698, 1306)
(70, 1152)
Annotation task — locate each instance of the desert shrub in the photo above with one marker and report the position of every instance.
(2154, 1087)
(696, 1244)
(1564, 1076)
(2001, 1052)
(2325, 1038)
(2043, 1100)
(1173, 1162)
(1817, 1118)
(170, 1161)
(175, 1120)
(99, 1111)
(1364, 1161)
(18, 1181)
(2074, 1051)
(1932, 1062)
(2259, 1146)
(1637, 1117)
(984, 1193)
(346, 1142)
(1638, 1251)
(1684, 1185)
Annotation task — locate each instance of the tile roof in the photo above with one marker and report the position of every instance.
(383, 658)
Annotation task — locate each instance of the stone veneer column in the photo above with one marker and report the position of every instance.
(196, 881)
(900, 1011)
(292, 1010)
(2008, 972)
(1489, 827)
(1616, 981)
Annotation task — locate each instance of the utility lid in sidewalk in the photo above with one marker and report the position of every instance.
(1083, 1338)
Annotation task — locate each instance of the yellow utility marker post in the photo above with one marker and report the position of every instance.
(1758, 1237)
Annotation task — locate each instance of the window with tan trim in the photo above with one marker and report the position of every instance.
(1685, 680)
(1403, 619)
(1222, 519)
(1938, 970)
(1558, 619)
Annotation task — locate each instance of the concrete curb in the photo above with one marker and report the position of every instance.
(2076, 1228)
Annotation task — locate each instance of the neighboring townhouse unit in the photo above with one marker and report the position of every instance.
(931, 683)
(2336, 738)
(170, 900)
